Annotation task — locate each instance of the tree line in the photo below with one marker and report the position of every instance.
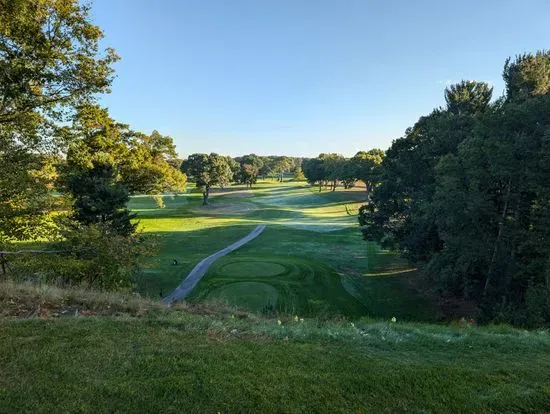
(330, 169)
(465, 194)
(214, 170)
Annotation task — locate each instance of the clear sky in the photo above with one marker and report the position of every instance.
(300, 77)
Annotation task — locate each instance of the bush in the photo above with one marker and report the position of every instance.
(91, 256)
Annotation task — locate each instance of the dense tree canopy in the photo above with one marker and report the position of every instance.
(151, 165)
(52, 136)
(49, 58)
(527, 76)
(468, 97)
(92, 171)
(366, 166)
(464, 194)
(49, 63)
(314, 171)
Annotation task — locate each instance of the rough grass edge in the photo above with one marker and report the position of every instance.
(219, 320)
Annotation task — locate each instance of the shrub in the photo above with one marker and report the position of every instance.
(92, 256)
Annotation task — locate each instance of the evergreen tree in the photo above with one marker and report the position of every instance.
(99, 197)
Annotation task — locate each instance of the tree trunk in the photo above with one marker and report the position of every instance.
(320, 185)
(205, 195)
(499, 237)
(3, 261)
(367, 190)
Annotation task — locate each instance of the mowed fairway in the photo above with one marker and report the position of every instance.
(309, 261)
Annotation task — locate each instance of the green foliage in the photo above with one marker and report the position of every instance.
(493, 194)
(49, 57)
(468, 97)
(299, 175)
(366, 166)
(26, 201)
(250, 169)
(333, 167)
(314, 171)
(91, 174)
(208, 171)
(150, 166)
(102, 260)
(100, 198)
(528, 75)
(465, 193)
(275, 166)
(89, 256)
(50, 62)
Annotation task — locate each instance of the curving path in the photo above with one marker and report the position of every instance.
(201, 268)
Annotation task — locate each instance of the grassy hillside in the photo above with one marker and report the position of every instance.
(219, 360)
(312, 239)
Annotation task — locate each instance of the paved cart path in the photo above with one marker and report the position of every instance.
(201, 268)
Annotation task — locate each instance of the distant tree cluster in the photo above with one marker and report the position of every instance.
(214, 170)
(275, 167)
(466, 194)
(330, 169)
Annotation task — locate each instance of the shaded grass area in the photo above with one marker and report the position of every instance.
(254, 296)
(335, 272)
(190, 363)
(188, 248)
(389, 296)
(304, 287)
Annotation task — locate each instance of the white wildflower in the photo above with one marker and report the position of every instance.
(279, 322)
(394, 319)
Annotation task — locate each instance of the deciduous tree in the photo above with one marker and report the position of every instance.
(208, 171)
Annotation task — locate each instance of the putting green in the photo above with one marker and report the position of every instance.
(252, 269)
(254, 296)
(285, 284)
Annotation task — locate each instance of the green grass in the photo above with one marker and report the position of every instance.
(314, 236)
(303, 287)
(255, 296)
(181, 362)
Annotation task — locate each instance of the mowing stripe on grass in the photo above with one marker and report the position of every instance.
(200, 269)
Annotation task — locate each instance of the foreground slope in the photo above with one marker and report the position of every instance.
(222, 360)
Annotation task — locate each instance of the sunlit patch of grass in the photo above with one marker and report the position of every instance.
(393, 272)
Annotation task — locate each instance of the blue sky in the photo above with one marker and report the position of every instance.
(300, 77)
